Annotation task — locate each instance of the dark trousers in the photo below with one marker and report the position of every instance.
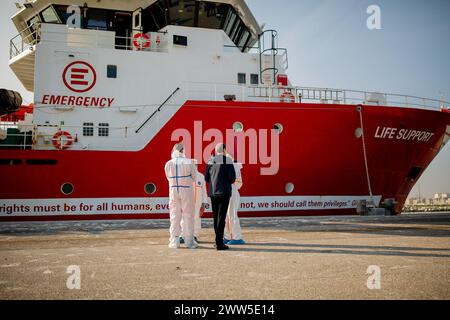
(220, 209)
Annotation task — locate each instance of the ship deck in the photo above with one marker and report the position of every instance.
(285, 258)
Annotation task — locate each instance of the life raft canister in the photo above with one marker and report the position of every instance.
(287, 96)
(58, 141)
(142, 44)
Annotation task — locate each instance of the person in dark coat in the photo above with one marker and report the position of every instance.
(220, 175)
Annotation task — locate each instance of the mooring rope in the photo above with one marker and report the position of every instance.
(360, 108)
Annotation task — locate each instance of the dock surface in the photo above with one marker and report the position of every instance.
(285, 258)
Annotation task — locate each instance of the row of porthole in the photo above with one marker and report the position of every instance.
(150, 188)
(278, 127)
(239, 127)
(67, 188)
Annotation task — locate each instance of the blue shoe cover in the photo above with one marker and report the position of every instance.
(226, 241)
(236, 242)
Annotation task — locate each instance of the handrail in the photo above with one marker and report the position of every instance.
(30, 36)
(157, 110)
(313, 94)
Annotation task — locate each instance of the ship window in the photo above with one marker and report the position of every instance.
(49, 16)
(67, 188)
(180, 40)
(61, 10)
(182, 12)
(103, 130)
(230, 20)
(243, 40)
(97, 19)
(88, 129)
(154, 17)
(137, 21)
(289, 188)
(211, 14)
(33, 22)
(150, 188)
(254, 79)
(242, 78)
(238, 28)
(238, 127)
(111, 71)
(278, 127)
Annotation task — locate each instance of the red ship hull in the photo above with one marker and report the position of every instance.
(319, 154)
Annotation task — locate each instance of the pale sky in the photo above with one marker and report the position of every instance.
(329, 45)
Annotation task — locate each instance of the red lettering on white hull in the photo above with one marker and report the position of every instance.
(73, 101)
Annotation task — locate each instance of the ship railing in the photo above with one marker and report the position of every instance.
(355, 97)
(42, 136)
(15, 140)
(29, 37)
(25, 40)
(267, 93)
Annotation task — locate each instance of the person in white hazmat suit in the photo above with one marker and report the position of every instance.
(181, 174)
(201, 201)
(233, 231)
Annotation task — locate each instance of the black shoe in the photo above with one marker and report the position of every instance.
(223, 248)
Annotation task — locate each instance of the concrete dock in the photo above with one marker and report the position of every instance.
(285, 258)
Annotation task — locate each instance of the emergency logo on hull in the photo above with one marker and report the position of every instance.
(79, 76)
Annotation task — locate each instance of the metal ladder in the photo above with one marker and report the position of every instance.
(268, 51)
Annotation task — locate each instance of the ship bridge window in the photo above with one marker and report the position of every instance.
(154, 17)
(212, 15)
(61, 10)
(230, 21)
(33, 23)
(181, 12)
(49, 16)
(202, 14)
(98, 19)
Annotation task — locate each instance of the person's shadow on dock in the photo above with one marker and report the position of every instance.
(343, 250)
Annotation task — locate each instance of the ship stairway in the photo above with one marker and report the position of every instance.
(22, 53)
(268, 53)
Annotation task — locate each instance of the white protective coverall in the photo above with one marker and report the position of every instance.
(201, 197)
(181, 173)
(233, 231)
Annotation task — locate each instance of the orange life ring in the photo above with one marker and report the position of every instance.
(287, 96)
(57, 143)
(141, 46)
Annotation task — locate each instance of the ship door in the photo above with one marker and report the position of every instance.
(122, 23)
(137, 21)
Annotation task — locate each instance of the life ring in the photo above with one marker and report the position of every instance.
(57, 143)
(287, 96)
(141, 45)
